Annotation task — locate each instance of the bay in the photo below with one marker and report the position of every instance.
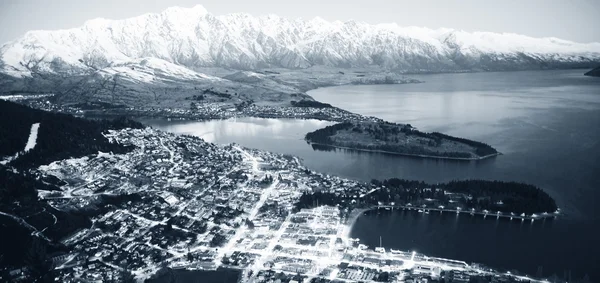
(544, 122)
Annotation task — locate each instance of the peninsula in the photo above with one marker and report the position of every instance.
(497, 198)
(402, 139)
(114, 200)
(593, 73)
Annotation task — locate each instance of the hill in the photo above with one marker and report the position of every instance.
(399, 139)
(593, 73)
(60, 136)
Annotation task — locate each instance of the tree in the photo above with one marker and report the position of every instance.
(383, 277)
(4, 270)
(127, 276)
(159, 93)
(39, 266)
(249, 223)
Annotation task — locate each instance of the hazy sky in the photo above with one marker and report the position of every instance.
(577, 20)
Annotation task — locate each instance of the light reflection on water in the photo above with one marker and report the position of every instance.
(542, 122)
(545, 124)
(278, 135)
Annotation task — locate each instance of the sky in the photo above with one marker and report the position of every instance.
(576, 20)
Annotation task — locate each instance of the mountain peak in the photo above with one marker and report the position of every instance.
(192, 38)
(197, 10)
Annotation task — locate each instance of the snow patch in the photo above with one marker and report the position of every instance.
(153, 69)
(31, 142)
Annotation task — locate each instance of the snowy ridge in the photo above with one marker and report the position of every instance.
(149, 70)
(192, 38)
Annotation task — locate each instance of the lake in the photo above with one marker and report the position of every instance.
(544, 122)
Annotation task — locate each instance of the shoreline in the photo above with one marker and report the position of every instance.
(478, 212)
(332, 114)
(352, 218)
(409, 154)
(357, 212)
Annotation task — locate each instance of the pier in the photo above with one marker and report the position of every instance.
(484, 213)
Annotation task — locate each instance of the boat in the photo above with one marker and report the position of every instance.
(426, 211)
(420, 210)
(395, 251)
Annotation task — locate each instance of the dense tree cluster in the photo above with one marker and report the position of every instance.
(267, 180)
(20, 188)
(323, 135)
(98, 105)
(513, 196)
(218, 240)
(311, 200)
(19, 200)
(14, 132)
(217, 93)
(479, 194)
(18, 197)
(390, 138)
(39, 264)
(60, 136)
(481, 149)
(594, 72)
(310, 103)
(196, 97)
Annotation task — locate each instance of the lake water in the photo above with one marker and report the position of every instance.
(546, 124)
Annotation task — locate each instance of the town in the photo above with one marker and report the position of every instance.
(178, 202)
(196, 111)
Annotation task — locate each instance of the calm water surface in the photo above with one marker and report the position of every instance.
(546, 123)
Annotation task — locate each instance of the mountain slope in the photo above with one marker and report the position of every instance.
(193, 38)
(594, 72)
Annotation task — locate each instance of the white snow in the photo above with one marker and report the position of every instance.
(31, 142)
(151, 69)
(181, 39)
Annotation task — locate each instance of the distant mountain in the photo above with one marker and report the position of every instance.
(163, 61)
(192, 38)
(593, 73)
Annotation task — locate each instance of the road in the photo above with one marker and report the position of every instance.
(255, 209)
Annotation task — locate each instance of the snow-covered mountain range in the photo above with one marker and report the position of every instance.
(192, 38)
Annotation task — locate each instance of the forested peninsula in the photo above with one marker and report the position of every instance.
(400, 139)
(511, 199)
